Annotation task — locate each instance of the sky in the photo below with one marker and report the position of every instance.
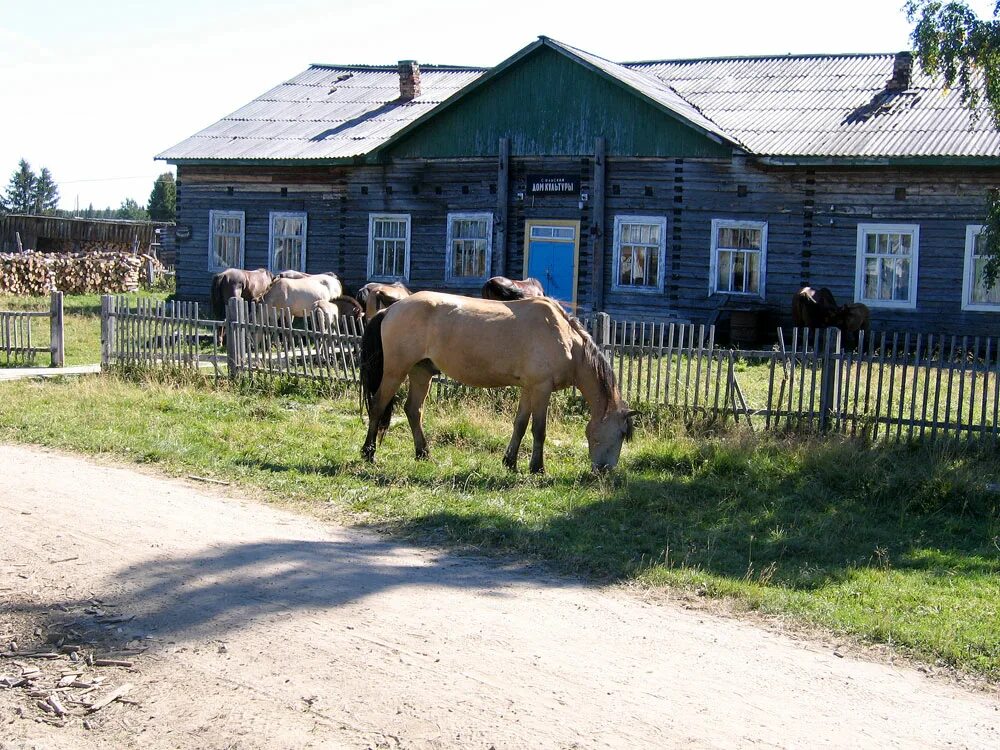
(94, 90)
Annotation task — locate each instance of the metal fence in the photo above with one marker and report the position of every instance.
(891, 386)
(20, 342)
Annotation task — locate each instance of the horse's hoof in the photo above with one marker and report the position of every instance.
(368, 453)
(423, 455)
(538, 469)
(510, 463)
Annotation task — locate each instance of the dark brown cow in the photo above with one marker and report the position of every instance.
(503, 289)
(813, 309)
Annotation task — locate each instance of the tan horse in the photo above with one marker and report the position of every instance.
(344, 306)
(528, 343)
(376, 296)
(298, 296)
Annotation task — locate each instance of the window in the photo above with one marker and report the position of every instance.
(639, 249)
(739, 257)
(389, 247)
(287, 242)
(975, 294)
(887, 265)
(552, 233)
(470, 247)
(225, 243)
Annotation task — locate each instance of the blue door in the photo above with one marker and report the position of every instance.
(552, 259)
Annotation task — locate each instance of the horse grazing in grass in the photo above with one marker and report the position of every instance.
(851, 320)
(298, 296)
(376, 296)
(504, 289)
(812, 308)
(329, 311)
(528, 343)
(235, 282)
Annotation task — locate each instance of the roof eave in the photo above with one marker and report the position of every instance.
(877, 161)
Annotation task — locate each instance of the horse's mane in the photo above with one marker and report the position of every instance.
(594, 359)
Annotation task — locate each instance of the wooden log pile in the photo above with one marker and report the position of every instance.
(33, 274)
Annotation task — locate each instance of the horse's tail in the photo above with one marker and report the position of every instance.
(362, 296)
(218, 298)
(372, 365)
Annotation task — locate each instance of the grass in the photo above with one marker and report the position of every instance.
(81, 325)
(890, 544)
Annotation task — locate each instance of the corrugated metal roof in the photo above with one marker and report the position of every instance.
(829, 106)
(823, 106)
(326, 112)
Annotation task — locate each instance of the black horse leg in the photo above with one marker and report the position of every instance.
(539, 413)
(520, 425)
(420, 383)
(383, 400)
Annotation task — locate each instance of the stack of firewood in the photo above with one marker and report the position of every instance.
(73, 273)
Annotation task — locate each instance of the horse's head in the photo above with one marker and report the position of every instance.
(605, 435)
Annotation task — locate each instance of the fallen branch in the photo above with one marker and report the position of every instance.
(209, 480)
(114, 695)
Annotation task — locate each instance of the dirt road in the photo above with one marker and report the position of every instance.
(268, 630)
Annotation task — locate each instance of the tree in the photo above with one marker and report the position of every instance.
(46, 193)
(163, 199)
(20, 196)
(951, 40)
(130, 209)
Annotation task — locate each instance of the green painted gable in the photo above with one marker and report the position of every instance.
(550, 105)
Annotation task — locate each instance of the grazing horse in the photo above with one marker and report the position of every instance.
(302, 275)
(504, 289)
(528, 343)
(329, 311)
(851, 319)
(298, 296)
(376, 296)
(812, 308)
(235, 282)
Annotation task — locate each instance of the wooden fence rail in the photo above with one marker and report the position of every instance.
(19, 342)
(891, 387)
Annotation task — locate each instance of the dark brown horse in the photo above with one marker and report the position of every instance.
(851, 320)
(503, 289)
(813, 309)
(342, 307)
(235, 282)
(376, 296)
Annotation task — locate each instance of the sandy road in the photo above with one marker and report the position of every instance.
(270, 630)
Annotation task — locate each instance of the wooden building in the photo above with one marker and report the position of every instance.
(63, 234)
(656, 190)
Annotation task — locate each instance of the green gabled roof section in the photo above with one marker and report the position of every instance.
(550, 99)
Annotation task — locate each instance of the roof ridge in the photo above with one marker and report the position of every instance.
(394, 67)
(786, 56)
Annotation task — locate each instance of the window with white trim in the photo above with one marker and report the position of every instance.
(470, 246)
(389, 247)
(739, 257)
(886, 273)
(287, 242)
(639, 252)
(976, 295)
(225, 240)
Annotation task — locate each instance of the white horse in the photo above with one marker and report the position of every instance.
(299, 296)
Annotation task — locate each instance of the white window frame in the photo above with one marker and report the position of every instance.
(212, 216)
(859, 269)
(713, 271)
(372, 218)
(616, 285)
(449, 262)
(271, 237)
(971, 232)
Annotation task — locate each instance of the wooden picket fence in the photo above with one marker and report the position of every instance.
(19, 340)
(891, 387)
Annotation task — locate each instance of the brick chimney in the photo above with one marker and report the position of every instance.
(902, 67)
(409, 80)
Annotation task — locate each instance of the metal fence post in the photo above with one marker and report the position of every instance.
(56, 342)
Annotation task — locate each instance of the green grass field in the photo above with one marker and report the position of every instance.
(890, 544)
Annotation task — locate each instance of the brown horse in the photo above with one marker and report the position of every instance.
(812, 308)
(376, 296)
(342, 307)
(528, 343)
(504, 289)
(235, 282)
(852, 319)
